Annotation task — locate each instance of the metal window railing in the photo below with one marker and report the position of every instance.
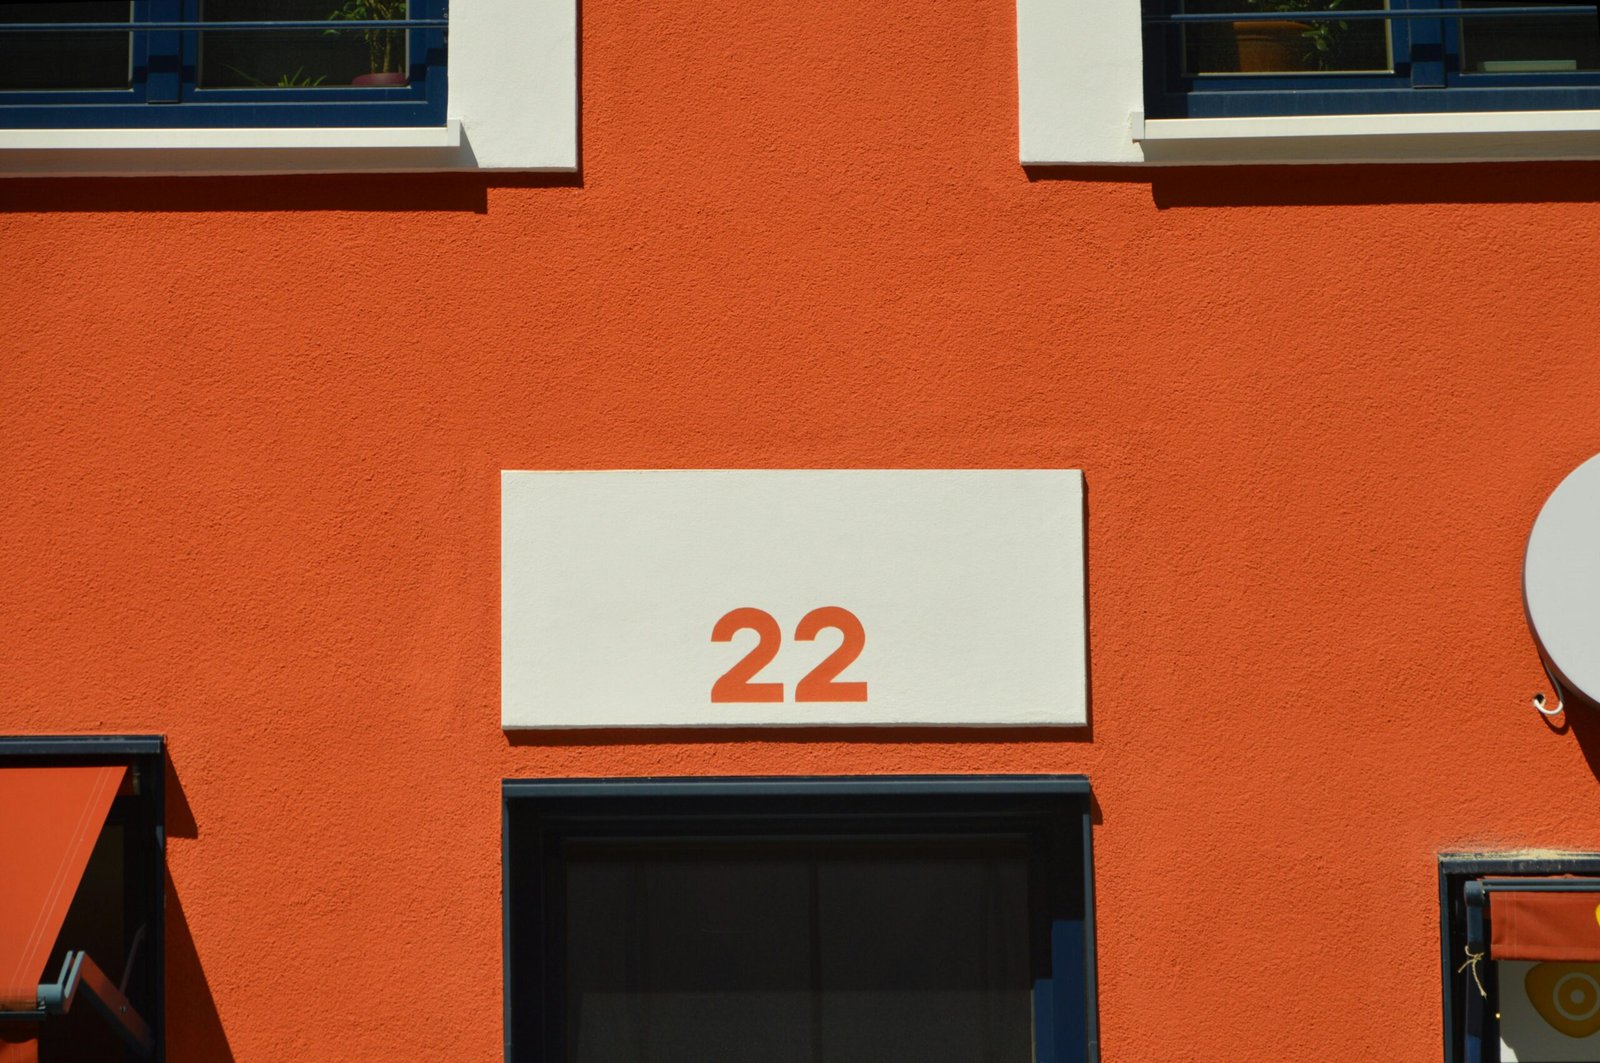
(1379, 15)
(353, 25)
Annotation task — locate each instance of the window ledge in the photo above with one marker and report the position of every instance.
(445, 136)
(1445, 137)
(134, 152)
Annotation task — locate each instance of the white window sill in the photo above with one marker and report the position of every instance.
(1081, 84)
(1453, 137)
(445, 136)
(136, 152)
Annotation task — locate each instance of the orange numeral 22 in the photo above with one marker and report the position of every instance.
(819, 684)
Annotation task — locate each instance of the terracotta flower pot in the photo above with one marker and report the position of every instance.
(389, 79)
(1271, 46)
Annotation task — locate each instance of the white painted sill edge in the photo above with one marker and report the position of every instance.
(448, 148)
(1440, 137)
(317, 138)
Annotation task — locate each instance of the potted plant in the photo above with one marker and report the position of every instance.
(1272, 45)
(386, 48)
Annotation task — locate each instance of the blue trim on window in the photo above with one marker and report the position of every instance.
(227, 115)
(1266, 101)
(163, 81)
(1060, 1014)
(165, 93)
(1427, 77)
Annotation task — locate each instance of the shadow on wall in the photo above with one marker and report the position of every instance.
(463, 193)
(1334, 185)
(1581, 718)
(888, 735)
(1197, 186)
(194, 1030)
(193, 1027)
(904, 736)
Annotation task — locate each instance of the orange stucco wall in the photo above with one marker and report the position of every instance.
(253, 427)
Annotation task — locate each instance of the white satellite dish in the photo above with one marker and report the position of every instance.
(1561, 583)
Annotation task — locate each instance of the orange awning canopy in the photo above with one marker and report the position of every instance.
(1545, 925)
(50, 819)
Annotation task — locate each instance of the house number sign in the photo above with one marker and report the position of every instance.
(738, 598)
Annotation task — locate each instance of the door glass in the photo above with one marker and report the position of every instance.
(41, 61)
(1529, 44)
(795, 954)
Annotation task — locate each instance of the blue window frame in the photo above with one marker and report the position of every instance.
(893, 917)
(1204, 58)
(221, 63)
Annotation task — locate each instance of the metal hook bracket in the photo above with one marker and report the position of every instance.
(1561, 697)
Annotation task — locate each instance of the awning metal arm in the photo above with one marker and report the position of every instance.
(79, 972)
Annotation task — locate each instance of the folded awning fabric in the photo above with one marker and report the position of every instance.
(1545, 925)
(50, 819)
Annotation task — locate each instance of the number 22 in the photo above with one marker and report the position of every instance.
(820, 684)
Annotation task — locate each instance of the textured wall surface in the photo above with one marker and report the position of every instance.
(253, 429)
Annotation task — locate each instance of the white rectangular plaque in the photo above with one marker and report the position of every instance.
(729, 598)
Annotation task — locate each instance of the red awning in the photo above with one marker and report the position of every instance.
(1545, 925)
(50, 819)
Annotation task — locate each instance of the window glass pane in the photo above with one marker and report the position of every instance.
(337, 57)
(792, 954)
(48, 61)
(1285, 45)
(1528, 45)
